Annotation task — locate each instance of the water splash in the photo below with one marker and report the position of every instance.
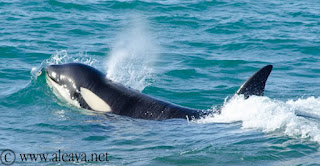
(62, 57)
(297, 119)
(132, 57)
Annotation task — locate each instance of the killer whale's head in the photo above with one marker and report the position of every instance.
(74, 75)
(77, 84)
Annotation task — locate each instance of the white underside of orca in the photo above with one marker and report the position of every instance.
(61, 92)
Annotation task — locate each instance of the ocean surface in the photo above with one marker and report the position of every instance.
(193, 53)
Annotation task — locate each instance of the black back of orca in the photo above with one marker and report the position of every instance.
(128, 102)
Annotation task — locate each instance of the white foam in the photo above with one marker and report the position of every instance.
(132, 56)
(62, 57)
(268, 115)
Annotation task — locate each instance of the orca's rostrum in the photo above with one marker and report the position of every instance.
(88, 88)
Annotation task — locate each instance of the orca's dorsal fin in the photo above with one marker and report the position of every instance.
(256, 83)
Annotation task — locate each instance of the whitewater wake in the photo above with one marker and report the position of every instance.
(294, 118)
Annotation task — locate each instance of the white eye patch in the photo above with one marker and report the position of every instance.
(94, 101)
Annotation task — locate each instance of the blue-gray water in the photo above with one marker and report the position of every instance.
(193, 53)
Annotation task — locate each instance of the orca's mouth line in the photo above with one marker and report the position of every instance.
(51, 78)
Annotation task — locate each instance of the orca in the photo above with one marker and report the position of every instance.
(86, 87)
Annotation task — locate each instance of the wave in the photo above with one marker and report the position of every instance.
(294, 118)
